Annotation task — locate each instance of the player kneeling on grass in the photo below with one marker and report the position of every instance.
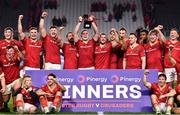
(27, 98)
(50, 95)
(162, 96)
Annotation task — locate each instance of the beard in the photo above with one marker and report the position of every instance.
(71, 40)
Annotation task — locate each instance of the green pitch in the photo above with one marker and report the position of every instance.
(79, 113)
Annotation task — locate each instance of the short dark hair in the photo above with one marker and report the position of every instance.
(162, 75)
(8, 28)
(133, 34)
(68, 34)
(32, 28)
(51, 74)
(83, 30)
(102, 34)
(9, 47)
(53, 26)
(144, 30)
(175, 29)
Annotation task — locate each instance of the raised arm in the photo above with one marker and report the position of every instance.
(171, 59)
(116, 41)
(123, 44)
(95, 28)
(20, 28)
(145, 82)
(20, 55)
(60, 42)
(76, 30)
(42, 24)
(63, 88)
(161, 35)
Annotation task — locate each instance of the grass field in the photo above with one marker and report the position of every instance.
(82, 113)
(88, 113)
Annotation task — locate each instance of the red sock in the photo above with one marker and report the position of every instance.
(43, 101)
(19, 103)
(57, 100)
(155, 104)
(170, 105)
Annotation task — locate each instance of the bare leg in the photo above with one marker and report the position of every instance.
(169, 105)
(19, 103)
(154, 101)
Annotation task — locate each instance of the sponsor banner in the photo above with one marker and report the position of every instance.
(101, 90)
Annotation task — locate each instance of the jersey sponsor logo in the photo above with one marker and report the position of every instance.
(100, 52)
(34, 46)
(150, 50)
(9, 64)
(85, 46)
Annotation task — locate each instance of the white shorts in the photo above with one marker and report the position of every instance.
(30, 68)
(50, 105)
(162, 107)
(50, 66)
(169, 74)
(10, 86)
(27, 106)
(88, 68)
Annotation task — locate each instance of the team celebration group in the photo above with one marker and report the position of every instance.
(149, 50)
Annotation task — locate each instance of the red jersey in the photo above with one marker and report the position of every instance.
(86, 53)
(102, 56)
(4, 43)
(70, 56)
(32, 52)
(52, 51)
(167, 63)
(46, 89)
(10, 68)
(177, 89)
(133, 57)
(113, 59)
(177, 66)
(176, 56)
(160, 91)
(154, 56)
(27, 97)
(1, 71)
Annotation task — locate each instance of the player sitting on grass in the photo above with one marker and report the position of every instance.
(27, 98)
(161, 98)
(50, 95)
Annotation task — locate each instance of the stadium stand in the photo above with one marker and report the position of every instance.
(168, 14)
(76, 8)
